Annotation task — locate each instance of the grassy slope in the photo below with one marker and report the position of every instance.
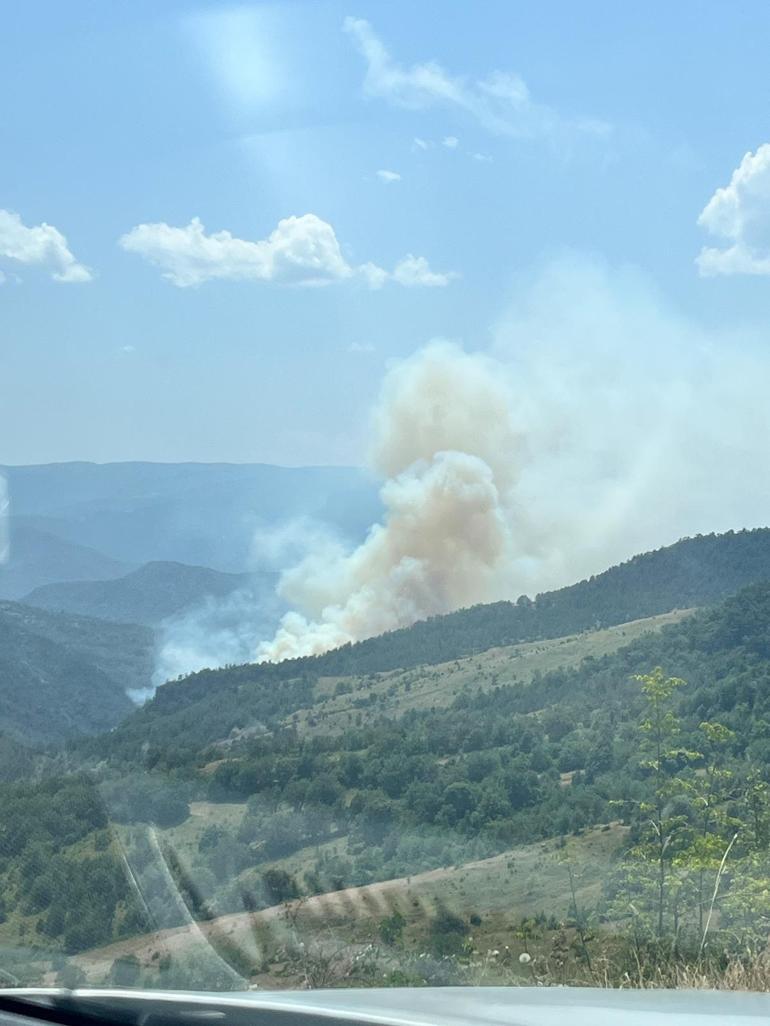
(699, 571)
(532, 878)
(436, 686)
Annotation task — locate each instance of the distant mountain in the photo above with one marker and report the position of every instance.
(63, 676)
(194, 513)
(38, 556)
(150, 594)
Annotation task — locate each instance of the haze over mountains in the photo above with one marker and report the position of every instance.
(151, 594)
(124, 543)
(37, 557)
(147, 543)
(196, 513)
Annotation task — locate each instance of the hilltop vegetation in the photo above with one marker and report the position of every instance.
(693, 572)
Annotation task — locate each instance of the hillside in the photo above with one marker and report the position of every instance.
(519, 749)
(339, 701)
(64, 676)
(533, 878)
(150, 594)
(195, 513)
(241, 701)
(693, 572)
(38, 556)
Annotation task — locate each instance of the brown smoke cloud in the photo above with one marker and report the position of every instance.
(445, 441)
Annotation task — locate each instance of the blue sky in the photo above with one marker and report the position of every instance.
(602, 130)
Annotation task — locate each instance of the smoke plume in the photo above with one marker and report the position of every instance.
(600, 424)
(444, 440)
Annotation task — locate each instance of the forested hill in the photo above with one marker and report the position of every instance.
(485, 765)
(698, 571)
(693, 572)
(63, 676)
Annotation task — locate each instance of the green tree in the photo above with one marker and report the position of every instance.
(710, 791)
(663, 830)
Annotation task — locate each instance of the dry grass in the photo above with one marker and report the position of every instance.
(750, 973)
(394, 693)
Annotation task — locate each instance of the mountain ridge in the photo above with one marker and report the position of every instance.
(150, 594)
(723, 563)
(39, 556)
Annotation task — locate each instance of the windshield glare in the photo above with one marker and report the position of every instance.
(384, 514)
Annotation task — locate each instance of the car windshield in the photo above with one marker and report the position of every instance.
(384, 503)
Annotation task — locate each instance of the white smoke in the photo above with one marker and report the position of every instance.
(642, 425)
(228, 631)
(218, 632)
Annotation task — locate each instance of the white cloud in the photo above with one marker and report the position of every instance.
(42, 245)
(482, 158)
(374, 276)
(739, 213)
(421, 144)
(299, 251)
(388, 176)
(360, 347)
(450, 141)
(414, 272)
(500, 102)
(128, 349)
